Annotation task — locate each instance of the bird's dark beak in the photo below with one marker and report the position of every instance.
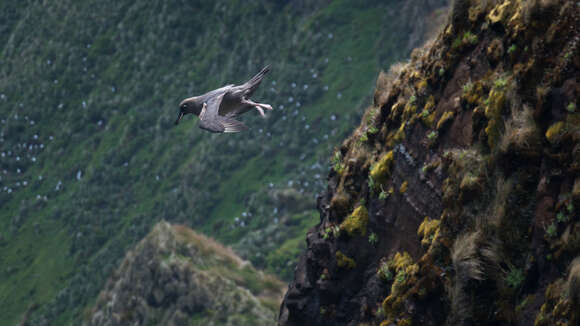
(179, 116)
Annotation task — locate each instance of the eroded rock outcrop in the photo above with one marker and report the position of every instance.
(178, 277)
(467, 168)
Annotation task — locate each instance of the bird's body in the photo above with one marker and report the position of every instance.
(218, 108)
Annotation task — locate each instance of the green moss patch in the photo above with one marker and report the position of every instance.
(381, 171)
(356, 223)
(344, 261)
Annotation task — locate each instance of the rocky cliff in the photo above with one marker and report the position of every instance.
(176, 276)
(456, 200)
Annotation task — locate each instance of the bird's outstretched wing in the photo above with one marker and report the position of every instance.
(231, 124)
(249, 87)
(210, 120)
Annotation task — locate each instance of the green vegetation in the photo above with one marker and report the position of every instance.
(373, 238)
(364, 137)
(383, 194)
(344, 261)
(470, 38)
(384, 272)
(371, 182)
(445, 118)
(555, 132)
(356, 222)
(551, 230)
(401, 276)
(404, 187)
(514, 277)
(468, 87)
(432, 135)
(337, 163)
(500, 82)
(428, 230)
(326, 233)
(331, 231)
(381, 170)
(218, 280)
(561, 217)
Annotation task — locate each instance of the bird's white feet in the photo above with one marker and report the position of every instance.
(266, 106)
(259, 106)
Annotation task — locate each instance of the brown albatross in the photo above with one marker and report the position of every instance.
(218, 108)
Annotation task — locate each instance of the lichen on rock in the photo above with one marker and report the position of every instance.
(344, 261)
(381, 170)
(428, 230)
(356, 222)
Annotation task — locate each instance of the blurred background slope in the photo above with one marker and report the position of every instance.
(89, 156)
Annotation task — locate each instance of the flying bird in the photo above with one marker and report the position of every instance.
(218, 109)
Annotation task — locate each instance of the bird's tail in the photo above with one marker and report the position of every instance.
(253, 83)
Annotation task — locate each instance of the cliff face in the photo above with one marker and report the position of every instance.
(175, 276)
(455, 202)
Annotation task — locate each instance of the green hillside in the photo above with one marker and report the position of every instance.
(90, 158)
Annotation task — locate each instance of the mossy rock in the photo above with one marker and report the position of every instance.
(400, 134)
(356, 222)
(340, 204)
(470, 186)
(404, 187)
(343, 261)
(499, 13)
(381, 170)
(391, 305)
(428, 119)
(472, 93)
(493, 111)
(426, 116)
(445, 119)
(495, 50)
(400, 261)
(428, 230)
(405, 322)
(421, 84)
(555, 132)
(396, 109)
(409, 111)
(387, 322)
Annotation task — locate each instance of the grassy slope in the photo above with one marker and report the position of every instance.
(103, 79)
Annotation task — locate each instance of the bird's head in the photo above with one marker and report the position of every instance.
(189, 105)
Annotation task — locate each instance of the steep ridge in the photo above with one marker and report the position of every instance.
(456, 200)
(175, 276)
